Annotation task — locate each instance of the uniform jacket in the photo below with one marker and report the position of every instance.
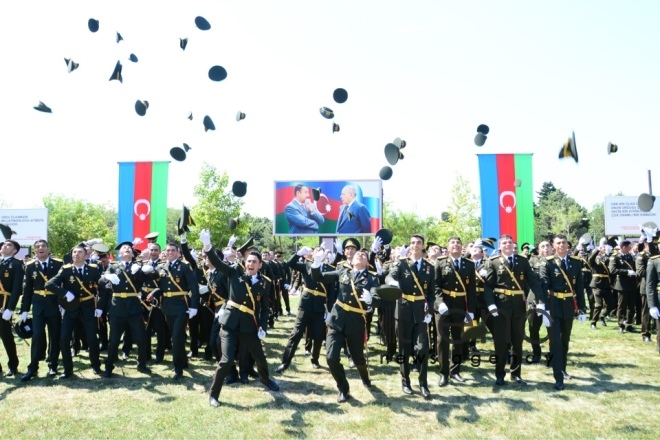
(641, 263)
(653, 281)
(619, 266)
(402, 271)
(175, 278)
(447, 280)
(600, 271)
(128, 284)
(68, 280)
(553, 281)
(308, 301)
(498, 277)
(35, 279)
(11, 279)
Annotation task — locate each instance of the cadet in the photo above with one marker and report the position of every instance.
(11, 286)
(622, 266)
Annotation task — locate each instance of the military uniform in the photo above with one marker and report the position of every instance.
(626, 286)
(175, 280)
(641, 263)
(11, 286)
(503, 287)
(155, 318)
(246, 311)
(347, 322)
(45, 312)
(534, 320)
(562, 280)
(480, 271)
(586, 280)
(653, 290)
(455, 287)
(601, 286)
(218, 286)
(387, 318)
(85, 287)
(125, 311)
(417, 282)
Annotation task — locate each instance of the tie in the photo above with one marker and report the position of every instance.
(356, 275)
(128, 265)
(80, 272)
(511, 261)
(456, 265)
(44, 266)
(563, 264)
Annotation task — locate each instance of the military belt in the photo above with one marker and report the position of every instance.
(148, 289)
(508, 292)
(172, 294)
(562, 295)
(413, 298)
(43, 292)
(314, 292)
(479, 289)
(452, 294)
(241, 307)
(218, 303)
(350, 309)
(87, 298)
(124, 295)
(600, 275)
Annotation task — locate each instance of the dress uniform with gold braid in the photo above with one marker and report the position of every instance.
(216, 281)
(534, 320)
(586, 279)
(155, 318)
(503, 289)
(601, 286)
(562, 280)
(417, 283)
(455, 287)
(480, 271)
(622, 266)
(45, 313)
(653, 291)
(11, 287)
(641, 263)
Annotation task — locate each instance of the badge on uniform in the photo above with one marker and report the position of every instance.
(425, 285)
(177, 279)
(258, 298)
(522, 276)
(71, 279)
(34, 275)
(406, 274)
(467, 281)
(502, 296)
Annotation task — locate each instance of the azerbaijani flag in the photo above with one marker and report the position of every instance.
(505, 208)
(142, 206)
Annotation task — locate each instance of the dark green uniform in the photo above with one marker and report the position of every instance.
(620, 266)
(562, 279)
(653, 290)
(641, 262)
(534, 320)
(11, 286)
(601, 285)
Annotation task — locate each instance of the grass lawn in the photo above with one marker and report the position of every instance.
(614, 392)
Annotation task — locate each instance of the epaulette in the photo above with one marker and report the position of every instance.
(429, 261)
(654, 257)
(576, 258)
(444, 257)
(93, 265)
(30, 261)
(347, 264)
(494, 257)
(266, 278)
(467, 259)
(373, 273)
(185, 262)
(56, 259)
(403, 258)
(67, 266)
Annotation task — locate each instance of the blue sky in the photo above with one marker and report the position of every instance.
(426, 71)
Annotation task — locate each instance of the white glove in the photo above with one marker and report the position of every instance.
(483, 272)
(113, 278)
(191, 313)
(394, 283)
(590, 248)
(183, 238)
(231, 241)
(493, 310)
(287, 286)
(427, 318)
(546, 320)
(95, 257)
(203, 289)
(404, 252)
(220, 313)
(193, 253)
(305, 250)
(540, 307)
(471, 315)
(608, 249)
(98, 313)
(655, 314)
(366, 297)
(137, 241)
(6, 315)
(582, 317)
(61, 311)
(93, 241)
(135, 268)
(375, 246)
(69, 296)
(318, 259)
(261, 334)
(331, 256)
(442, 308)
(24, 316)
(327, 317)
(147, 268)
(379, 267)
(338, 246)
(205, 237)
(631, 273)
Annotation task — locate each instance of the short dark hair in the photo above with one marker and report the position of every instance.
(455, 238)
(624, 243)
(256, 254)
(421, 237)
(297, 189)
(154, 243)
(173, 244)
(559, 236)
(506, 237)
(41, 241)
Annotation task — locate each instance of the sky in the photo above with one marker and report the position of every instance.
(428, 72)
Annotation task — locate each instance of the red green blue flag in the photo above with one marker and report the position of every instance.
(505, 207)
(142, 206)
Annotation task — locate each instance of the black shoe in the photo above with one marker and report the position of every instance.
(52, 372)
(343, 397)
(443, 381)
(144, 369)
(559, 386)
(28, 375)
(565, 374)
(519, 380)
(414, 368)
(620, 329)
(103, 348)
(244, 379)
(253, 374)
(474, 349)
(366, 383)
(231, 378)
(406, 389)
(107, 374)
(158, 360)
(272, 385)
(124, 356)
(500, 381)
(11, 373)
(602, 321)
(281, 368)
(631, 329)
(65, 375)
(214, 402)
(177, 376)
(308, 353)
(191, 354)
(536, 359)
(457, 377)
(97, 370)
(646, 339)
(425, 391)
(315, 365)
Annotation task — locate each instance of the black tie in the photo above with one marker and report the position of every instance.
(128, 265)
(80, 272)
(563, 264)
(511, 261)
(415, 267)
(456, 265)
(44, 266)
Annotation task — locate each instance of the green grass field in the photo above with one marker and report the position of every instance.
(614, 392)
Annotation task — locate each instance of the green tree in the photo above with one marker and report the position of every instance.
(462, 217)
(560, 214)
(404, 224)
(597, 221)
(546, 189)
(215, 206)
(72, 221)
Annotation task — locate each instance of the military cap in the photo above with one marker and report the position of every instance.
(350, 242)
(340, 95)
(217, 73)
(152, 237)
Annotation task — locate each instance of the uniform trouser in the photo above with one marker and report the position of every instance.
(590, 297)
(214, 340)
(481, 315)
(369, 316)
(625, 308)
(122, 324)
(413, 341)
(314, 323)
(388, 327)
(334, 344)
(507, 330)
(229, 340)
(207, 316)
(449, 323)
(79, 338)
(612, 308)
(39, 324)
(194, 325)
(90, 325)
(639, 308)
(10, 345)
(103, 329)
(602, 304)
(535, 323)
(285, 296)
(177, 326)
(560, 336)
(158, 324)
(646, 317)
(657, 336)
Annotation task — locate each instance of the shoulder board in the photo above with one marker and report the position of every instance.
(403, 258)
(330, 265)
(59, 260)
(429, 261)
(266, 278)
(67, 266)
(576, 258)
(468, 259)
(654, 257)
(346, 264)
(494, 257)
(185, 262)
(92, 265)
(373, 273)
(444, 257)
(30, 261)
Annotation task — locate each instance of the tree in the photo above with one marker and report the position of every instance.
(215, 206)
(597, 221)
(462, 218)
(560, 214)
(546, 189)
(72, 221)
(404, 224)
